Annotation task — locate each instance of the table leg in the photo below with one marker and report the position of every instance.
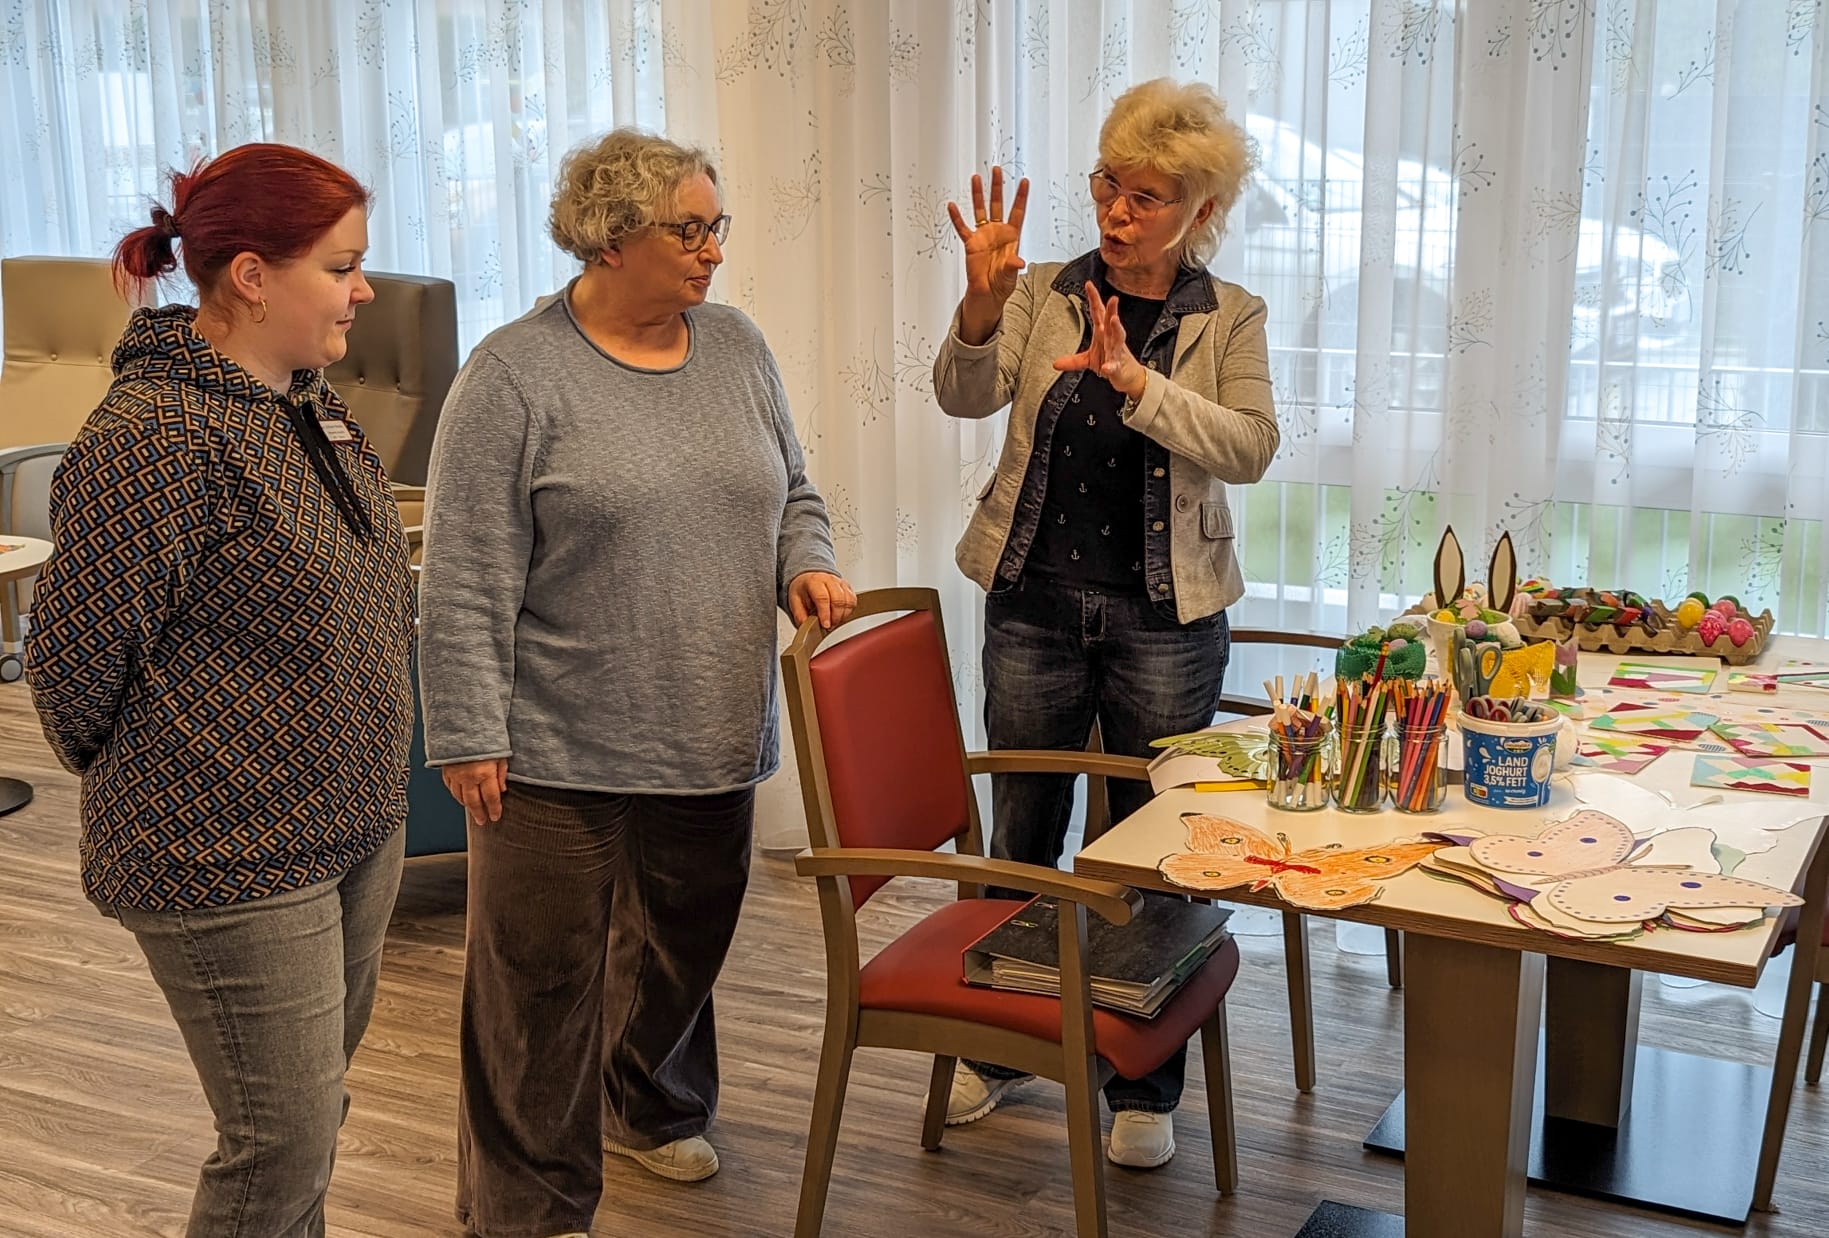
(1301, 1013)
(1470, 1061)
(1791, 1030)
(1590, 1041)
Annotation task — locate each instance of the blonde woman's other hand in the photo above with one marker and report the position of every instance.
(1109, 354)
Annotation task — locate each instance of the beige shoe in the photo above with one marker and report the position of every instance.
(684, 1160)
(973, 1096)
(1141, 1140)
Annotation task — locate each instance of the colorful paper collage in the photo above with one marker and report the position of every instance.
(1795, 673)
(1677, 725)
(1772, 739)
(1618, 754)
(1651, 677)
(1751, 774)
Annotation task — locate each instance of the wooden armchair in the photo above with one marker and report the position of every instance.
(886, 779)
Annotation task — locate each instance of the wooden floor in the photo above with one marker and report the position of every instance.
(102, 1124)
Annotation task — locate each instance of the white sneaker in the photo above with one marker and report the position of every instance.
(973, 1096)
(1141, 1140)
(684, 1160)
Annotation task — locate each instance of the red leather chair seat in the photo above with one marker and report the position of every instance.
(920, 973)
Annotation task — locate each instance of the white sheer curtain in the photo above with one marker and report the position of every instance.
(1529, 265)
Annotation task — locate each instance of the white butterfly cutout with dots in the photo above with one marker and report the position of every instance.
(1592, 879)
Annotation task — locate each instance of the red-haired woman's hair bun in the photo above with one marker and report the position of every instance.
(263, 198)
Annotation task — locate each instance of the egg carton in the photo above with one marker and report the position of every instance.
(1669, 639)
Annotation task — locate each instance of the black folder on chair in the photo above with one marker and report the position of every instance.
(1134, 967)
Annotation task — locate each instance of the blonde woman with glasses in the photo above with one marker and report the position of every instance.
(617, 507)
(1139, 389)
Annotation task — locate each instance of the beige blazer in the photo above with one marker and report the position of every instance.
(1213, 412)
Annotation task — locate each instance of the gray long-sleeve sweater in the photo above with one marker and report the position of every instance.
(605, 549)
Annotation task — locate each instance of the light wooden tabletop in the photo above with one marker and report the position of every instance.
(1421, 903)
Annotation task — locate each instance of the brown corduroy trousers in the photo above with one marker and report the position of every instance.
(597, 925)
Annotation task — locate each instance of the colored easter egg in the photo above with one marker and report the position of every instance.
(1728, 597)
(1740, 631)
(1725, 608)
(1710, 627)
(1700, 597)
(1476, 628)
(1689, 611)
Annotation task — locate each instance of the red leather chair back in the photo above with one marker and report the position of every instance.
(891, 740)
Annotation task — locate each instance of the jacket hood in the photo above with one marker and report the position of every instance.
(163, 344)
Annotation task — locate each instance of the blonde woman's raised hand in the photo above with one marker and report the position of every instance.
(992, 249)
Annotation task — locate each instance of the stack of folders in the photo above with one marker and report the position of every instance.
(1135, 967)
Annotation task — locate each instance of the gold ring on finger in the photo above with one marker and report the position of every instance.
(981, 221)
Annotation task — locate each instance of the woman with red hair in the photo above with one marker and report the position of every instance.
(219, 648)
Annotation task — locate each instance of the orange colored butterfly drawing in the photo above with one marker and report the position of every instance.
(1223, 853)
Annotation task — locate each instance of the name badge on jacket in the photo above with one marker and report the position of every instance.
(337, 431)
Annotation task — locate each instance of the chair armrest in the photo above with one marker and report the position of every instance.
(1244, 706)
(1265, 636)
(11, 457)
(1106, 899)
(1049, 761)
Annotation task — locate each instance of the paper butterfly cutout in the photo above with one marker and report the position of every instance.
(1581, 870)
(1239, 755)
(1629, 895)
(1223, 853)
(1585, 842)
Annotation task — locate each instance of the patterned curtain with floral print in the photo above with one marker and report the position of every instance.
(1551, 266)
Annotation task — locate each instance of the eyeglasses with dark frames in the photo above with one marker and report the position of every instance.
(1106, 190)
(693, 233)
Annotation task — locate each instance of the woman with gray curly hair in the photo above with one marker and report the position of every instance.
(617, 505)
(1139, 388)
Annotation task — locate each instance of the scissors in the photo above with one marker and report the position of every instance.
(1491, 709)
(1476, 666)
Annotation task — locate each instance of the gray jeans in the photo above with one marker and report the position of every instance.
(272, 997)
(596, 927)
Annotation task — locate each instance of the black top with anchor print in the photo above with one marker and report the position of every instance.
(1091, 531)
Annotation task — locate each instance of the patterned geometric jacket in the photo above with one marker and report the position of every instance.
(213, 648)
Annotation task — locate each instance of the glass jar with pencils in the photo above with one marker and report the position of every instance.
(1360, 713)
(1418, 775)
(1298, 759)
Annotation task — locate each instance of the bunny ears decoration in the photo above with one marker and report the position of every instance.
(1501, 588)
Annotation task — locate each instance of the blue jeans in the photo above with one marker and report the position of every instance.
(272, 997)
(1055, 660)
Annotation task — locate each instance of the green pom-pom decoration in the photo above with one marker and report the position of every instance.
(1359, 658)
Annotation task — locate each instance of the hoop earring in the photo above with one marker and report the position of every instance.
(263, 311)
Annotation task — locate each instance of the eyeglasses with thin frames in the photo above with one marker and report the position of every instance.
(695, 232)
(1106, 190)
